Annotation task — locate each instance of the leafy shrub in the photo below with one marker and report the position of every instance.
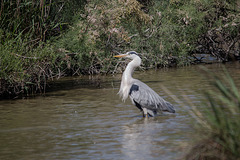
(23, 71)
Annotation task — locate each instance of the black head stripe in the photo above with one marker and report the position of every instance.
(132, 52)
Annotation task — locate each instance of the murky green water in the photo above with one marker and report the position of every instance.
(85, 119)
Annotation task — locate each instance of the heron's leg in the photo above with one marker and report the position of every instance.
(145, 112)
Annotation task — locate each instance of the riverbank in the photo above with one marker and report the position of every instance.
(76, 38)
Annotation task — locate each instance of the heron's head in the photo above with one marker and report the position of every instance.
(130, 55)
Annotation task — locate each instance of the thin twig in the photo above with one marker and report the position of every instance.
(15, 54)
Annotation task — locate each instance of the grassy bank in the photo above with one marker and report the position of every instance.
(27, 58)
(42, 40)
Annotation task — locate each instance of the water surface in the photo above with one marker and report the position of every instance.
(83, 118)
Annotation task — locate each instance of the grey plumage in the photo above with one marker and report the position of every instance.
(141, 95)
(149, 99)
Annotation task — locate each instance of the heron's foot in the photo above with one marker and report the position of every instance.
(145, 115)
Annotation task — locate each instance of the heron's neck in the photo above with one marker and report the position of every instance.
(127, 78)
(127, 74)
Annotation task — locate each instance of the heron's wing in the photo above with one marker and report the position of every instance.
(146, 97)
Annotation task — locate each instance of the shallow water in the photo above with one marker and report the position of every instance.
(83, 118)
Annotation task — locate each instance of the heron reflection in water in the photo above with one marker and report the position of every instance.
(141, 95)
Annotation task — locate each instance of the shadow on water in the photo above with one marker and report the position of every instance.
(79, 82)
(89, 82)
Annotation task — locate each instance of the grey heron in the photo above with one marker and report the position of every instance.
(141, 95)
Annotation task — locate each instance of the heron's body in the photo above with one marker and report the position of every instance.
(141, 95)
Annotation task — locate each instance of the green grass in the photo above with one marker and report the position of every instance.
(221, 123)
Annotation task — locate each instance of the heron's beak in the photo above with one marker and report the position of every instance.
(120, 55)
